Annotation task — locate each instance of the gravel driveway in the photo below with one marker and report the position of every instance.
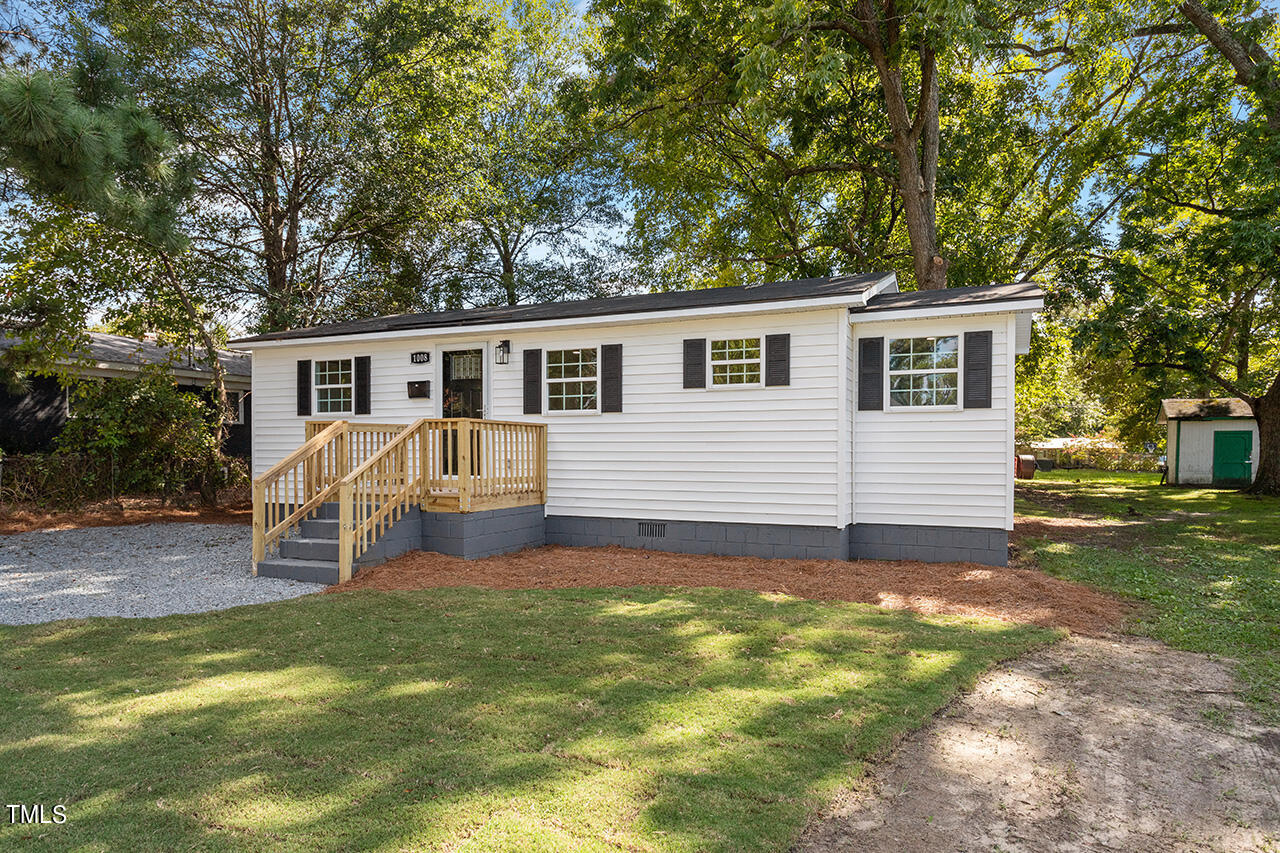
(136, 570)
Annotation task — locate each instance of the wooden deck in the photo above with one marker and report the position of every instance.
(376, 472)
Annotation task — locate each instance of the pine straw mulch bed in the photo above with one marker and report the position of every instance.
(21, 519)
(965, 589)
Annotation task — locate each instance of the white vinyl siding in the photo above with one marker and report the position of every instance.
(944, 466)
(750, 454)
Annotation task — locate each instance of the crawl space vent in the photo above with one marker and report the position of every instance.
(653, 529)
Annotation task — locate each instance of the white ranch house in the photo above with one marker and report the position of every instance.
(822, 418)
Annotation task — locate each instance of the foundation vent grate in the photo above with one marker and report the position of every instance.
(653, 529)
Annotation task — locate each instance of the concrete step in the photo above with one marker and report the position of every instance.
(320, 528)
(311, 571)
(303, 548)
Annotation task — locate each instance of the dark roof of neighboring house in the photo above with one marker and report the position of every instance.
(123, 350)
(1195, 410)
(712, 297)
(951, 296)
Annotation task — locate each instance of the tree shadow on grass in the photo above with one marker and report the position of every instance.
(452, 718)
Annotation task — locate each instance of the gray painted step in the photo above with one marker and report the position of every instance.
(309, 549)
(311, 571)
(320, 528)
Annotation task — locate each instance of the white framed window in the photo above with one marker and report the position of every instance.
(736, 361)
(334, 387)
(573, 380)
(924, 371)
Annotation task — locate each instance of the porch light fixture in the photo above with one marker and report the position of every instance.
(502, 355)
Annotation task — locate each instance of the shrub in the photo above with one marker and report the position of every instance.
(127, 436)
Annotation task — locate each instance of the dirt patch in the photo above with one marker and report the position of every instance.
(1082, 530)
(120, 512)
(1090, 744)
(1015, 594)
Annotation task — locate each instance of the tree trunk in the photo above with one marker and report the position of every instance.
(915, 147)
(1253, 64)
(1267, 411)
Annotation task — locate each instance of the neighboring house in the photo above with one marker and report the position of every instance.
(1211, 442)
(31, 419)
(823, 418)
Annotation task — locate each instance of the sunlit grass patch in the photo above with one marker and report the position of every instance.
(1205, 561)
(643, 719)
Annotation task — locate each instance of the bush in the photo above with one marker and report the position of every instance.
(127, 436)
(52, 480)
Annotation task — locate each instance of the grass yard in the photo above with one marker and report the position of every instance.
(1206, 563)
(465, 719)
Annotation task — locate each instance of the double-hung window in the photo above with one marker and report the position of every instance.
(572, 380)
(334, 386)
(924, 371)
(735, 362)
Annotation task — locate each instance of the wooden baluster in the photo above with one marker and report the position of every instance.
(346, 543)
(464, 465)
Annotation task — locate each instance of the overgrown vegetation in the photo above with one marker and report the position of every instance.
(643, 719)
(126, 436)
(1205, 563)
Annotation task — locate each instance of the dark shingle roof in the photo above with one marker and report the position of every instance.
(1194, 410)
(123, 350)
(809, 288)
(951, 296)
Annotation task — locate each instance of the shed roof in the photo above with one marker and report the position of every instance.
(1197, 410)
(118, 349)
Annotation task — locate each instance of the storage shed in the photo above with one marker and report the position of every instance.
(1211, 442)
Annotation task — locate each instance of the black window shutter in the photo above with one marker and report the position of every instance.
(870, 374)
(695, 363)
(533, 382)
(362, 384)
(777, 360)
(304, 387)
(611, 378)
(977, 370)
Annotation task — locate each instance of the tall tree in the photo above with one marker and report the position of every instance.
(1194, 286)
(98, 183)
(535, 214)
(288, 107)
(821, 137)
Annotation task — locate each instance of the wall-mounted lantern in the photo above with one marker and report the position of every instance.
(502, 355)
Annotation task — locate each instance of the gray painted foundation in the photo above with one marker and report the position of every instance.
(312, 555)
(473, 535)
(856, 542)
(929, 544)
(701, 537)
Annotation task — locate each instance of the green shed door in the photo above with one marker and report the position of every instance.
(1232, 465)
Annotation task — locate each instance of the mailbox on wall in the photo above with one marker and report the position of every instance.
(420, 390)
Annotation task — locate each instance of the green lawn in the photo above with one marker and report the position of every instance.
(643, 719)
(1205, 562)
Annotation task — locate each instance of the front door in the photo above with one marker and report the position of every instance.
(1232, 458)
(463, 398)
(463, 384)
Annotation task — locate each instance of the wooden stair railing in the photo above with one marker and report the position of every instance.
(377, 493)
(297, 485)
(455, 464)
